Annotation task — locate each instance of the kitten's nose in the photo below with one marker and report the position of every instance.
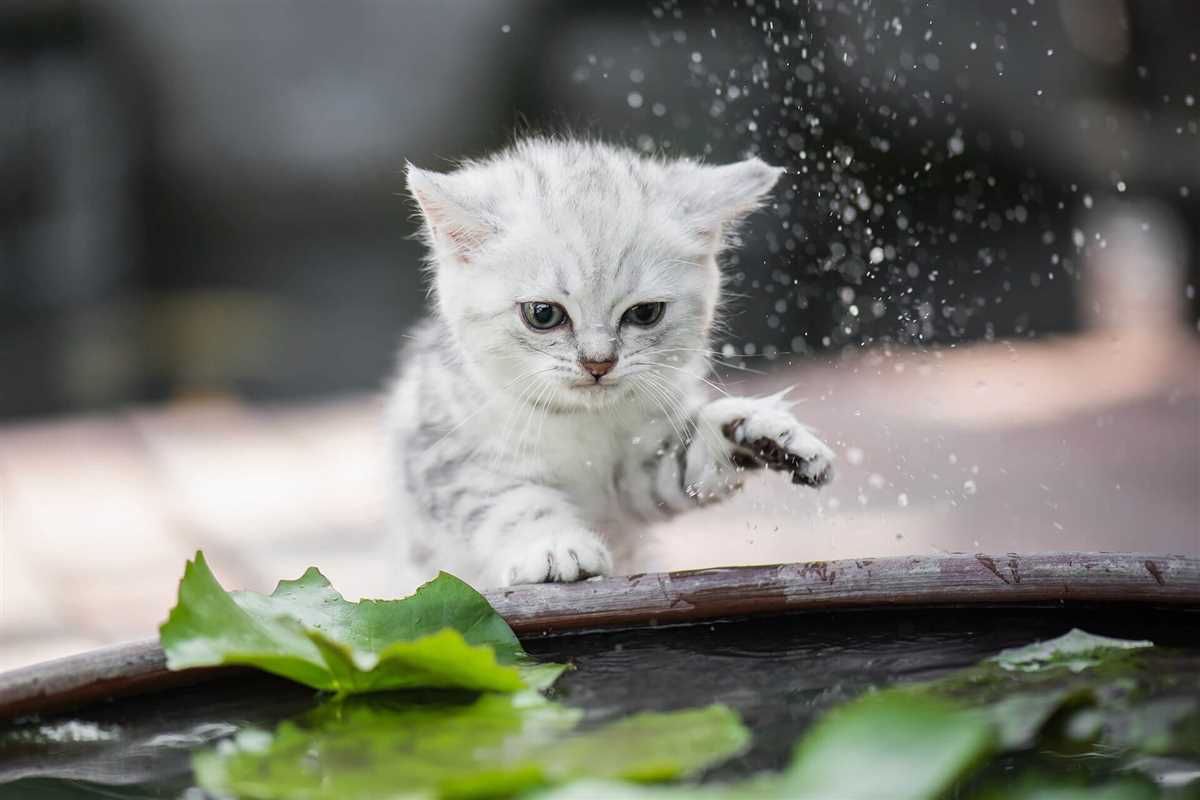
(598, 369)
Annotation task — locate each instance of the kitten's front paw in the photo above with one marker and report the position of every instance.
(771, 436)
(557, 557)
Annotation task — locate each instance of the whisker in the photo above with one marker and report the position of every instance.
(514, 413)
(776, 354)
(710, 354)
(655, 393)
(542, 421)
(713, 439)
(687, 419)
(538, 413)
(698, 377)
(484, 406)
(662, 400)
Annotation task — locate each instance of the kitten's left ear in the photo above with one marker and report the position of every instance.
(454, 220)
(716, 199)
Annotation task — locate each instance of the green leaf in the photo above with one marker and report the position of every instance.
(1024, 688)
(651, 746)
(1124, 790)
(1020, 717)
(917, 740)
(446, 635)
(1036, 786)
(1075, 650)
(432, 746)
(614, 790)
(891, 743)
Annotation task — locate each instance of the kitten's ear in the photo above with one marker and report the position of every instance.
(716, 199)
(454, 222)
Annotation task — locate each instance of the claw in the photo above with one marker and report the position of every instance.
(773, 456)
(733, 430)
(815, 481)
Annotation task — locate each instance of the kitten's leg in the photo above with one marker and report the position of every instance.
(761, 431)
(532, 534)
(722, 440)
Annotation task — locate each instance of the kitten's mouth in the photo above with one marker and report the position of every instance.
(593, 388)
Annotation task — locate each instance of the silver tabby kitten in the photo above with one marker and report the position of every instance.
(555, 404)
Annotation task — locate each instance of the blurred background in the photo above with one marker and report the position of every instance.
(981, 275)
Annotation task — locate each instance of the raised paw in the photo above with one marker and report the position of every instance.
(556, 557)
(770, 436)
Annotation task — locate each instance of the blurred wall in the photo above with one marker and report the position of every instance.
(201, 197)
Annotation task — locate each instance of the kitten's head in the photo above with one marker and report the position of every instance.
(573, 275)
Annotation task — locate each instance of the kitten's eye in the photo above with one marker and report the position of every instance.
(644, 314)
(543, 316)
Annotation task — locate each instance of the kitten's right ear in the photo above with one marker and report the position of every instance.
(715, 199)
(453, 223)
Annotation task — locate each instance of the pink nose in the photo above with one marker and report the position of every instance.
(598, 369)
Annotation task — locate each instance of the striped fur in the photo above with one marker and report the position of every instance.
(512, 463)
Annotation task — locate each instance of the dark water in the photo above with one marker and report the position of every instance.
(138, 747)
(778, 673)
(782, 673)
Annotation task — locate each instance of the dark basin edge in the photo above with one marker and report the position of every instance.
(677, 597)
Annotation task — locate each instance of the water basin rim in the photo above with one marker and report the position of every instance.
(956, 580)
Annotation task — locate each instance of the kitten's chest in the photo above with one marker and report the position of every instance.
(586, 457)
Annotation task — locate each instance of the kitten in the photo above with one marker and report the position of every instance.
(554, 406)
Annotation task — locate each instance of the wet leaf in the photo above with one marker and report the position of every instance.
(446, 635)
(891, 744)
(894, 744)
(1019, 705)
(1075, 650)
(652, 746)
(1023, 689)
(613, 790)
(1165, 725)
(918, 740)
(401, 746)
(1045, 787)
(1019, 718)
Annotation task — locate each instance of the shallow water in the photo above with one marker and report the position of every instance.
(778, 673)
